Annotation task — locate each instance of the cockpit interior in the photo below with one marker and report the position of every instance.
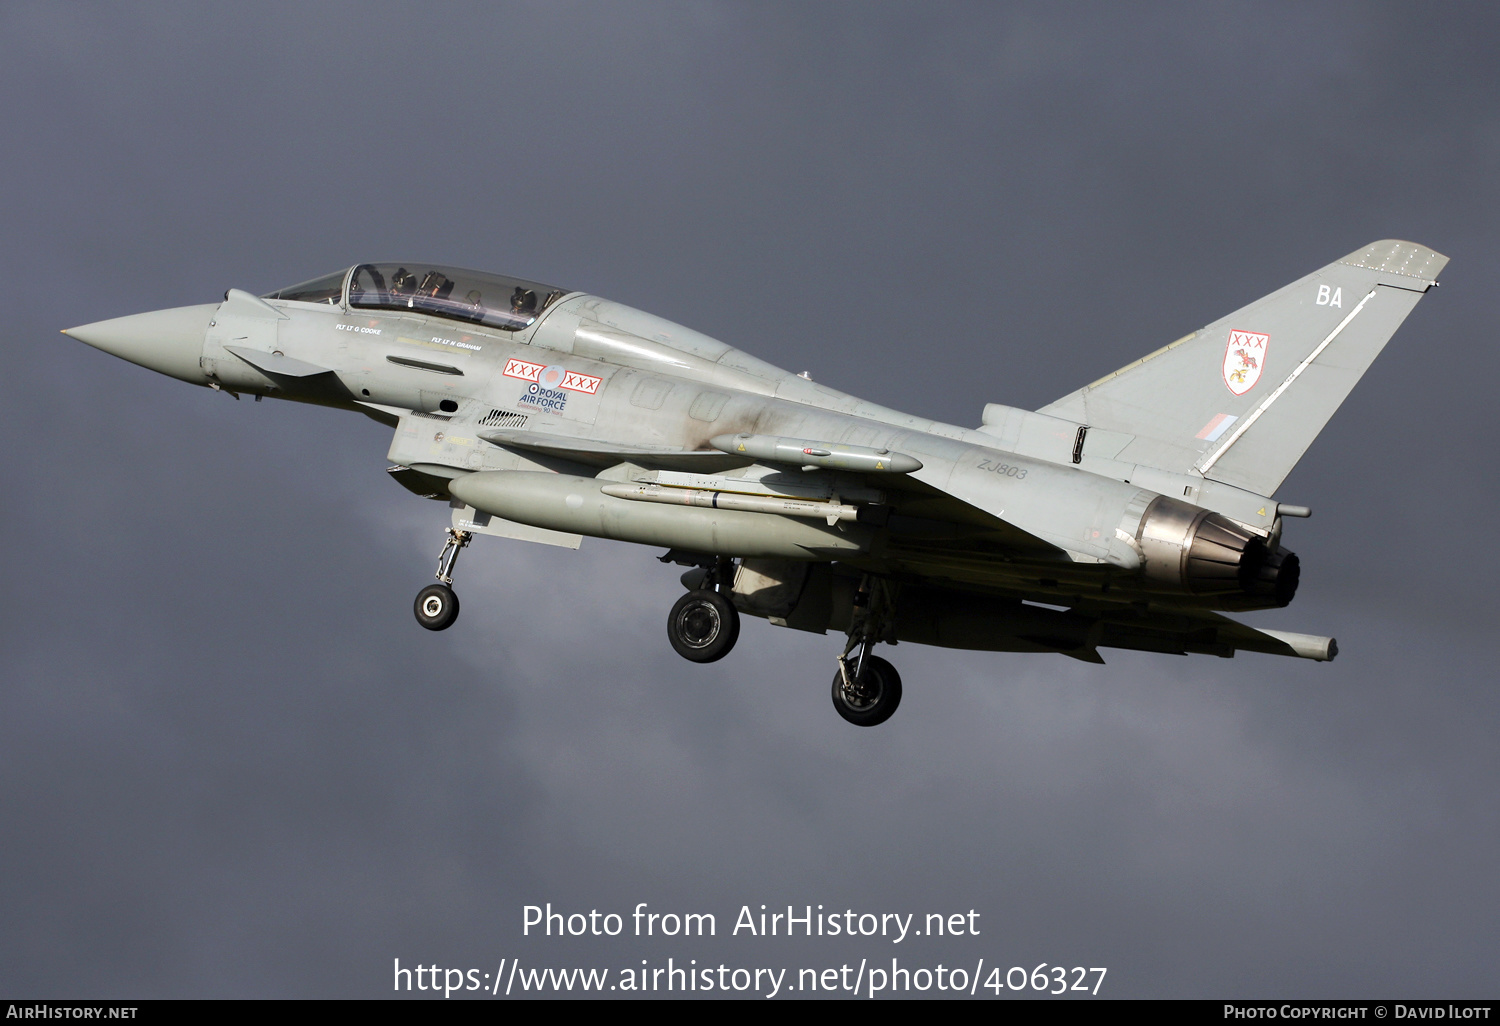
(491, 300)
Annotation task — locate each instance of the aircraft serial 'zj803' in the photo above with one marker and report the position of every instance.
(1129, 514)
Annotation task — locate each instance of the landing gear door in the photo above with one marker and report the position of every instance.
(248, 322)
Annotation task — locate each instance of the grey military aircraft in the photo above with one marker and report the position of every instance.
(1132, 513)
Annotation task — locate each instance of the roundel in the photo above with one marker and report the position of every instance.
(551, 377)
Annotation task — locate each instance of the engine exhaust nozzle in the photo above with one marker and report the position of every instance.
(1189, 548)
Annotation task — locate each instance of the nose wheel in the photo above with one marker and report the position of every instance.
(437, 606)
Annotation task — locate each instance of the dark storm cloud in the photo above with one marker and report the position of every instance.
(233, 766)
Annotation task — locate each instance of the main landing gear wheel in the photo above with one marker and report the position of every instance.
(872, 698)
(436, 607)
(703, 626)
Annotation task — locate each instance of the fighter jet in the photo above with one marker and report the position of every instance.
(1132, 513)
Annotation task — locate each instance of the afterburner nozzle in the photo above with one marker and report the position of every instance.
(1204, 553)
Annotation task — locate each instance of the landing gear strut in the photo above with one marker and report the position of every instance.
(437, 606)
(704, 625)
(866, 688)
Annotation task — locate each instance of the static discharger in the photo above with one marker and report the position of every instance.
(825, 455)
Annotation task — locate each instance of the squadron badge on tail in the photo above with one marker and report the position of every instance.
(1244, 359)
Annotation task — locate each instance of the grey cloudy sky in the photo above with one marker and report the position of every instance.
(232, 765)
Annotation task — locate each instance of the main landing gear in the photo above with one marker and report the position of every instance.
(437, 606)
(866, 688)
(704, 625)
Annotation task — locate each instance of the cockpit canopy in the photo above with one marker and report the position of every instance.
(489, 299)
(492, 300)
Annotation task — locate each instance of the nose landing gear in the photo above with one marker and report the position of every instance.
(437, 606)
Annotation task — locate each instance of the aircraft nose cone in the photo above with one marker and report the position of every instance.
(166, 341)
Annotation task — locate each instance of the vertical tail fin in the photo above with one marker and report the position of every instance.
(1241, 400)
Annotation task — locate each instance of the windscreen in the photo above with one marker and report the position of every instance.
(327, 289)
(492, 300)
